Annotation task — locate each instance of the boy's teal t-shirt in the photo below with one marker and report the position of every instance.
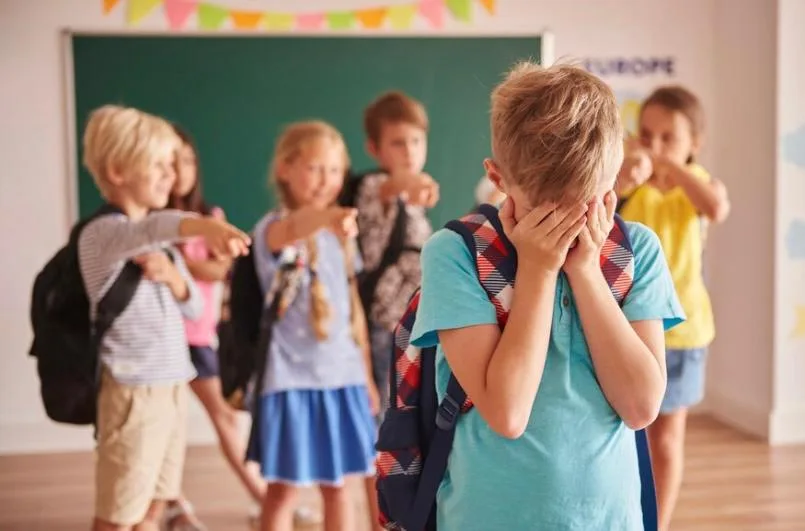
(575, 468)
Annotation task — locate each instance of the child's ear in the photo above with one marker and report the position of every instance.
(114, 175)
(371, 148)
(494, 175)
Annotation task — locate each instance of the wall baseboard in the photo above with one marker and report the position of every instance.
(45, 436)
(747, 418)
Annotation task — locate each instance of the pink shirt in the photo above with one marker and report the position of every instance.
(201, 332)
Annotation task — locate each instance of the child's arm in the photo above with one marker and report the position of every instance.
(116, 238)
(501, 373)
(628, 357)
(306, 221)
(708, 196)
(419, 190)
(211, 270)
(157, 267)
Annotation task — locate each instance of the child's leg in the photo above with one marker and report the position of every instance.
(132, 438)
(667, 444)
(686, 372)
(152, 517)
(371, 499)
(225, 420)
(278, 507)
(338, 509)
(174, 402)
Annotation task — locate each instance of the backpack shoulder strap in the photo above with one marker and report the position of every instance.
(495, 256)
(438, 454)
(617, 260)
(116, 299)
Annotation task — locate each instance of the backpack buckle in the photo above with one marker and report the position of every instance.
(447, 414)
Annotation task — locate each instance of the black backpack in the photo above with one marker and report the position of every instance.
(65, 342)
(244, 337)
(368, 280)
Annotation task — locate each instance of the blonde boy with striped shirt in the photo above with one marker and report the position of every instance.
(142, 404)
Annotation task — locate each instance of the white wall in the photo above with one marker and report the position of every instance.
(788, 419)
(34, 183)
(758, 278)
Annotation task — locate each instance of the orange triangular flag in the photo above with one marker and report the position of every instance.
(246, 19)
(371, 18)
(489, 5)
(109, 5)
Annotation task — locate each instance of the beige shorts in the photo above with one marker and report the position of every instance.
(142, 437)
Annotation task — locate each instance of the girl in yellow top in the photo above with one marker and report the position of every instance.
(661, 186)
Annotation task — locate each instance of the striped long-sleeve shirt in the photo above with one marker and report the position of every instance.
(146, 344)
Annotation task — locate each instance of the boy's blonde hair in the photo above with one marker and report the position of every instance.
(391, 108)
(124, 139)
(556, 132)
(290, 145)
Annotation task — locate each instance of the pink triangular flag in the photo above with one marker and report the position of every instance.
(433, 12)
(178, 11)
(310, 21)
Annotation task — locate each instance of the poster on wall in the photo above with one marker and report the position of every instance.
(632, 79)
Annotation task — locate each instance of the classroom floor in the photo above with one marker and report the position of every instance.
(732, 482)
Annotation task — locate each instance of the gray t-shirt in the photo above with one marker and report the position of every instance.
(297, 359)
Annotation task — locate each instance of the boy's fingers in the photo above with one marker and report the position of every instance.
(542, 213)
(565, 218)
(506, 215)
(572, 232)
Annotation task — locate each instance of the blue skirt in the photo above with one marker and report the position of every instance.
(313, 437)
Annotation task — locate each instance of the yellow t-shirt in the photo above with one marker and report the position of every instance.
(677, 223)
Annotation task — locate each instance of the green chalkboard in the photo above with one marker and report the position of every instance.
(234, 94)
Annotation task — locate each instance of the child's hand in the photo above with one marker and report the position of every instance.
(421, 190)
(157, 267)
(374, 397)
(585, 257)
(543, 236)
(636, 169)
(223, 239)
(342, 221)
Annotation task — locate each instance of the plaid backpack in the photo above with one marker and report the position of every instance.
(417, 434)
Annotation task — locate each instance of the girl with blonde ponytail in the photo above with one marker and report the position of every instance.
(315, 422)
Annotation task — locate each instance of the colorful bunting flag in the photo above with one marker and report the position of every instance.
(401, 17)
(433, 12)
(489, 5)
(178, 11)
(138, 9)
(211, 16)
(247, 20)
(109, 5)
(461, 9)
(341, 20)
(279, 21)
(372, 18)
(310, 21)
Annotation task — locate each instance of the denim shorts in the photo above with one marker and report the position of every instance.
(205, 360)
(686, 374)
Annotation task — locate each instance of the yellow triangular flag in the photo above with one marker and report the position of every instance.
(489, 5)
(138, 9)
(109, 5)
(401, 17)
(278, 21)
